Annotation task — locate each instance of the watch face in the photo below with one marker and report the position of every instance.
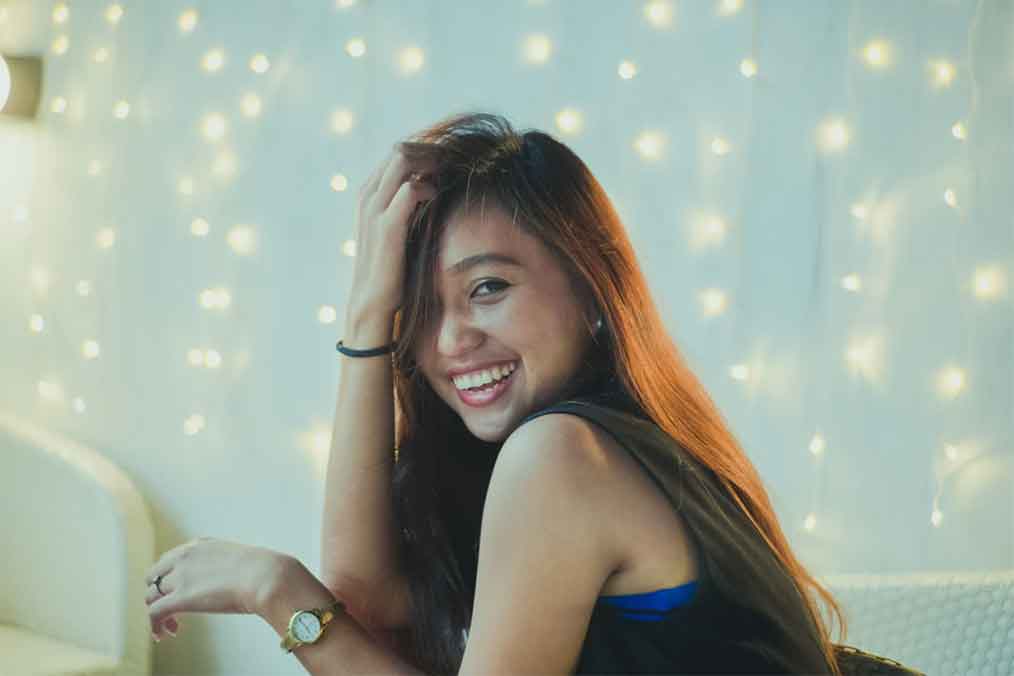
(306, 626)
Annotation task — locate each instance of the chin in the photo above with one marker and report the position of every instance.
(487, 438)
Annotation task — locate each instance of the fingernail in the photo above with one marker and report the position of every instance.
(155, 637)
(171, 632)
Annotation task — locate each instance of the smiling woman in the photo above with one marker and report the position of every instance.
(534, 323)
(522, 297)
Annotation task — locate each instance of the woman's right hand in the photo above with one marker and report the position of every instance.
(386, 202)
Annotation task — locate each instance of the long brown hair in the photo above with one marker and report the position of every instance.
(442, 469)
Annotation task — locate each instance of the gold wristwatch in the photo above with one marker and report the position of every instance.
(307, 626)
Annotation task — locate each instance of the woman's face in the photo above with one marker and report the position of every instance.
(494, 312)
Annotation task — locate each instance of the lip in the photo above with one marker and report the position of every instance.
(480, 399)
(453, 373)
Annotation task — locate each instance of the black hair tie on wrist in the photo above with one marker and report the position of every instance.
(372, 352)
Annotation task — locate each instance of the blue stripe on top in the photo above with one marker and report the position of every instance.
(651, 606)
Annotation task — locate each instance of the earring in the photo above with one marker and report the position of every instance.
(598, 325)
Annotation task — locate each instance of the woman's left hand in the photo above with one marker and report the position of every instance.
(208, 575)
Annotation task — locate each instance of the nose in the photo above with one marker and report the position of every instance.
(456, 336)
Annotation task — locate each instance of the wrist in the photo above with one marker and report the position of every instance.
(271, 582)
(366, 329)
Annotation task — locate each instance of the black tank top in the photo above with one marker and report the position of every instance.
(742, 616)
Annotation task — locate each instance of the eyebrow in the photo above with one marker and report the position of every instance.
(479, 259)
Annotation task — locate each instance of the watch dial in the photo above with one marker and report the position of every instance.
(306, 627)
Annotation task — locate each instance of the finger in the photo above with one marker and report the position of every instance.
(160, 611)
(397, 172)
(166, 562)
(370, 187)
(161, 568)
(408, 197)
(172, 625)
(167, 584)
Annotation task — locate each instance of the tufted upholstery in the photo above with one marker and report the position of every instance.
(939, 623)
(76, 538)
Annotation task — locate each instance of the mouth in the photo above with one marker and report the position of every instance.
(489, 393)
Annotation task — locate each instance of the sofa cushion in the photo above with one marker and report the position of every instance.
(26, 652)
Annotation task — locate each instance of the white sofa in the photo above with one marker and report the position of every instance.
(953, 623)
(76, 538)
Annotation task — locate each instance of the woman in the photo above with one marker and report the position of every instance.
(631, 536)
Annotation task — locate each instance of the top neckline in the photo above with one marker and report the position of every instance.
(663, 591)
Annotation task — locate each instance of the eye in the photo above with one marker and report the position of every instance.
(490, 283)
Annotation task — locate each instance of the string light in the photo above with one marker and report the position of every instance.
(989, 282)
(90, 349)
(569, 122)
(739, 372)
(707, 230)
(339, 183)
(950, 382)
(943, 72)
(212, 359)
(833, 135)
(852, 283)
(356, 48)
(114, 13)
(60, 45)
(242, 239)
(41, 279)
(536, 49)
(188, 21)
(817, 445)
(105, 238)
(214, 126)
(650, 145)
(729, 7)
(411, 60)
(213, 60)
(199, 227)
(259, 64)
(627, 70)
(60, 13)
(215, 299)
(327, 314)
(194, 424)
(659, 13)
(713, 302)
(877, 54)
(250, 105)
(121, 110)
(342, 121)
(225, 165)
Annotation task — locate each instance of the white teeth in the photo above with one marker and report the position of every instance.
(483, 377)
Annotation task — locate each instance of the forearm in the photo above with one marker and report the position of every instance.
(345, 648)
(358, 535)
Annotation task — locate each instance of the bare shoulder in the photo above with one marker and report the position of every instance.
(563, 456)
(631, 512)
